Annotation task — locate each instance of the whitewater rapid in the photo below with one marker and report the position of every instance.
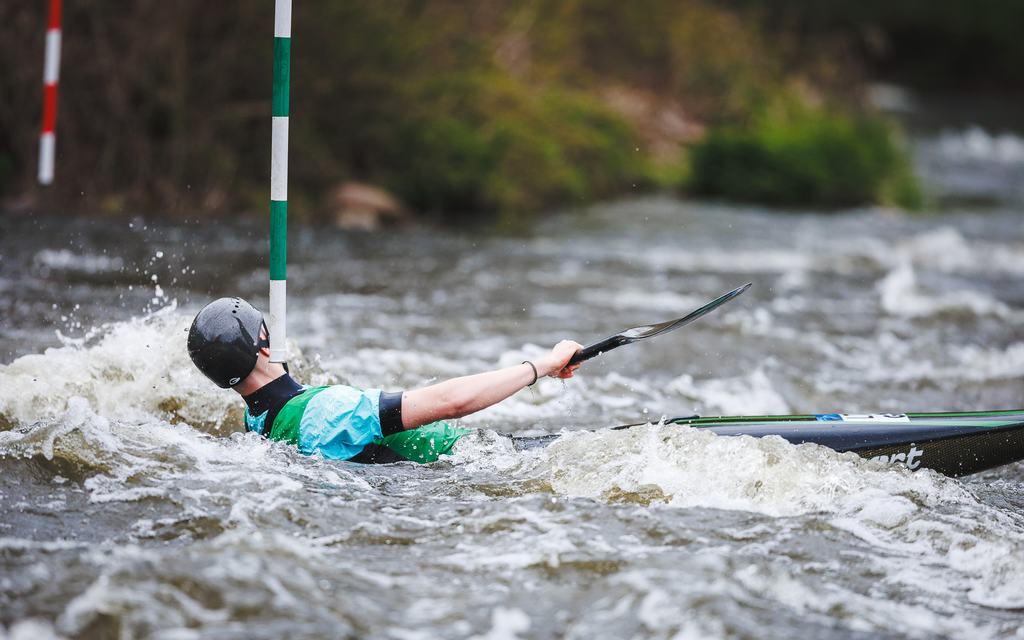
(135, 507)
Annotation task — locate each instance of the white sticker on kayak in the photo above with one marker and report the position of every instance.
(863, 417)
(910, 459)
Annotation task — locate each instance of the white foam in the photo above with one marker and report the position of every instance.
(132, 371)
(688, 468)
(267, 569)
(506, 624)
(548, 544)
(653, 301)
(981, 363)
(752, 394)
(738, 260)
(977, 144)
(946, 249)
(65, 260)
(872, 613)
(900, 295)
(31, 629)
(127, 462)
(934, 523)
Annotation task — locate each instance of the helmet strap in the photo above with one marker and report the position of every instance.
(264, 343)
(261, 342)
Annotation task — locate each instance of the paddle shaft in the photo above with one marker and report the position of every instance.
(596, 349)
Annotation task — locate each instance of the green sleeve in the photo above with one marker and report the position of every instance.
(424, 444)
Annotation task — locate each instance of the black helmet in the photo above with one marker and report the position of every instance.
(224, 340)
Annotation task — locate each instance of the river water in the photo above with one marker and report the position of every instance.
(134, 508)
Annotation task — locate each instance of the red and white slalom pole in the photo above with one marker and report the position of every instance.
(51, 73)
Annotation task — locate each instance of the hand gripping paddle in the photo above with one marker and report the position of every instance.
(630, 336)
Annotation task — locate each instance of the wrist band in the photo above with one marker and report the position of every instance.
(535, 376)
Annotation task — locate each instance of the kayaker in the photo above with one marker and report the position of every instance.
(229, 343)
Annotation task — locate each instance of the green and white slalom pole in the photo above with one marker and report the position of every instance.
(279, 179)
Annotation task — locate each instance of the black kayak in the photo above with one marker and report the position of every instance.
(955, 444)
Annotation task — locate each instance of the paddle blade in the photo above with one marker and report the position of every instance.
(650, 330)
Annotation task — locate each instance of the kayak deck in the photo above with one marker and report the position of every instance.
(952, 443)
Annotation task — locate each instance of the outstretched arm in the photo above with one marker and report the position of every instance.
(462, 396)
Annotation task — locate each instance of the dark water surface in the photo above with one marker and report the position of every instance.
(133, 508)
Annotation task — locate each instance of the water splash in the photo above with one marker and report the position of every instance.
(933, 521)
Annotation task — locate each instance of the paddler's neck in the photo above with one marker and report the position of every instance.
(264, 373)
(272, 396)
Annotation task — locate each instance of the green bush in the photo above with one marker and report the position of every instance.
(491, 144)
(810, 158)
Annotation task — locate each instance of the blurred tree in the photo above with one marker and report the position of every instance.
(497, 107)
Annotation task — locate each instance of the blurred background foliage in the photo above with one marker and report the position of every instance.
(803, 156)
(488, 110)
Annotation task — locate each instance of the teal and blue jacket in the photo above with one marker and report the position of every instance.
(344, 423)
